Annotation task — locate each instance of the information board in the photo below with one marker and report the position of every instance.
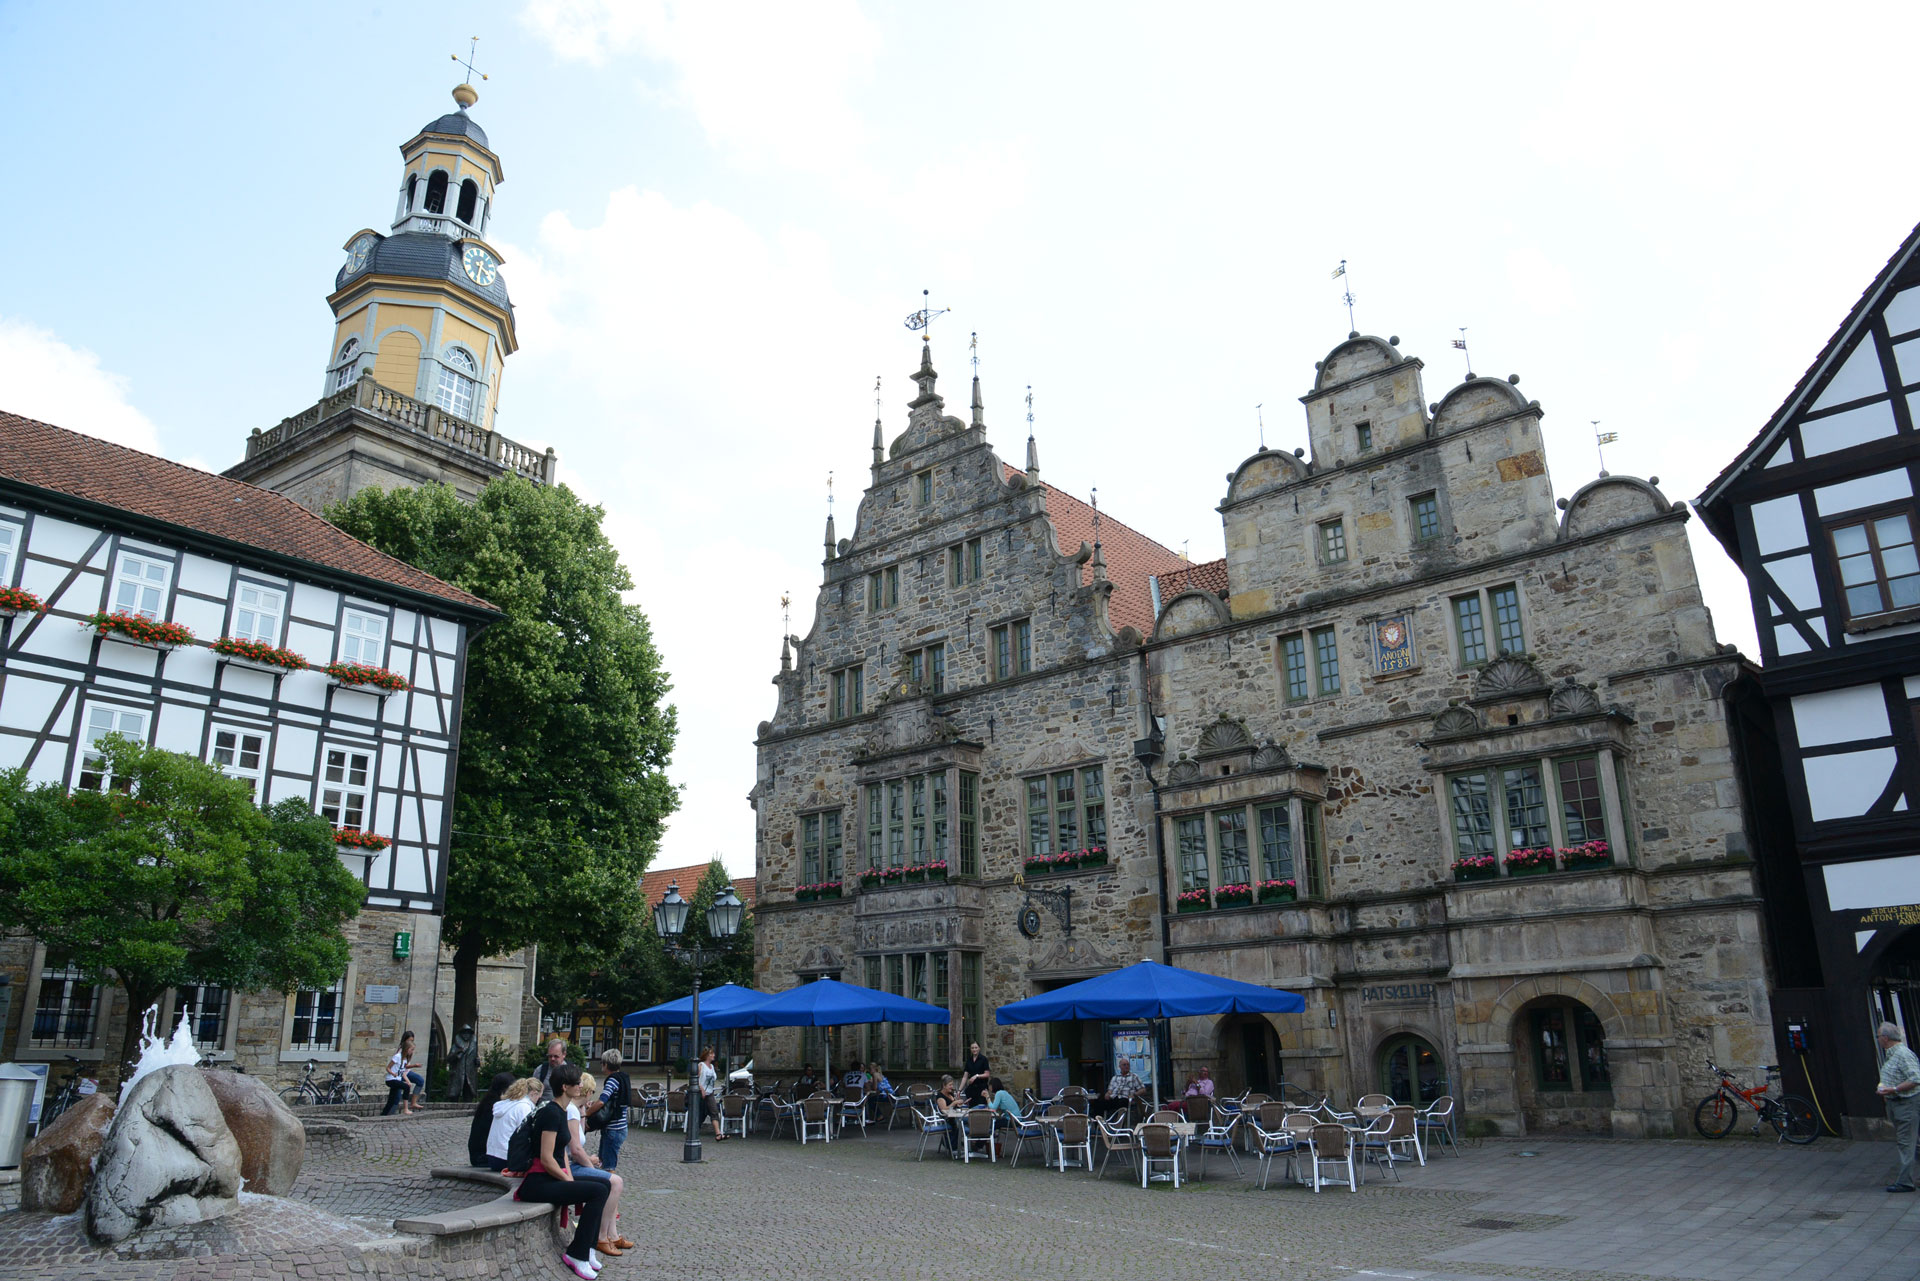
(1135, 1044)
(1053, 1076)
(383, 994)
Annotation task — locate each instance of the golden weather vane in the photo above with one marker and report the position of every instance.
(467, 61)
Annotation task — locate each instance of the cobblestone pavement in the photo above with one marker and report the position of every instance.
(864, 1209)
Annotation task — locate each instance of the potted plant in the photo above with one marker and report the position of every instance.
(1531, 862)
(937, 870)
(360, 674)
(827, 889)
(1588, 854)
(18, 600)
(140, 629)
(260, 652)
(1095, 856)
(1475, 867)
(1236, 895)
(1278, 892)
(350, 838)
(1191, 901)
(892, 874)
(916, 872)
(803, 893)
(1041, 864)
(870, 879)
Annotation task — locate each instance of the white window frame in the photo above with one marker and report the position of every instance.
(332, 802)
(171, 1010)
(345, 987)
(265, 612)
(97, 720)
(366, 632)
(133, 576)
(12, 536)
(349, 356)
(235, 766)
(459, 383)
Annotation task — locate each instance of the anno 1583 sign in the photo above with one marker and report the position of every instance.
(1393, 645)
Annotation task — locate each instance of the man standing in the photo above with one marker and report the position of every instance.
(556, 1055)
(1900, 1087)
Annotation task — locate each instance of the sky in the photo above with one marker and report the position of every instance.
(717, 215)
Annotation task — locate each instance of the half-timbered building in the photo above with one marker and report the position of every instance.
(1819, 511)
(91, 528)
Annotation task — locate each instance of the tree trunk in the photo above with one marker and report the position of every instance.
(138, 999)
(466, 988)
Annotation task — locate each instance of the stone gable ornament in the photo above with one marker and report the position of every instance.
(1271, 756)
(1508, 674)
(1455, 721)
(1570, 698)
(1183, 771)
(1224, 735)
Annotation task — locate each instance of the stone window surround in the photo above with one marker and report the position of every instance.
(1322, 526)
(1305, 879)
(820, 812)
(883, 588)
(1074, 767)
(892, 1044)
(1489, 624)
(348, 1001)
(1305, 634)
(1606, 745)
(1014, 670)
(859, 838)
(1439, 533)
(27, 1052)
(170, 1018)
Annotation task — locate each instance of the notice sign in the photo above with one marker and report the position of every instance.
(1875, 917)
(383, 994)
(1135, 1045)
(1387, 994)
(1393, 645)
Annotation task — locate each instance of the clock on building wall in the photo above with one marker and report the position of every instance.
(358, 252)
(480, 265)
(1029, 920)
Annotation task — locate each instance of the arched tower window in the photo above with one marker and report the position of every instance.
(469, 201)
(413, 191)
(437, 192)
(344, 362)
(458, 385)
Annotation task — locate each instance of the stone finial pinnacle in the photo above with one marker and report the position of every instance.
(979, 411)
(786, 654)
(1033, 450)
(832, 542)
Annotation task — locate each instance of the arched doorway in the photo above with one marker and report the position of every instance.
(1411, 1070)
(1562, 1073)
(1249, 1056)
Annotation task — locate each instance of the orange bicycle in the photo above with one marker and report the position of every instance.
(1792, 1117)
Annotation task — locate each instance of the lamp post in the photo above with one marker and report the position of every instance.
(670, 922)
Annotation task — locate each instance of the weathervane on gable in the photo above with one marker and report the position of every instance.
(922, 320)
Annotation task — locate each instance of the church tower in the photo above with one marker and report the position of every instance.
(422, 328)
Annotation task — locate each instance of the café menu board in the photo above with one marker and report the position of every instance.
(1135, 1044)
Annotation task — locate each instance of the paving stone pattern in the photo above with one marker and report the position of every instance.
(1558, 1210)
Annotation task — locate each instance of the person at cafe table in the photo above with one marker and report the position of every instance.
(1200, 1085)
(1121, 1090)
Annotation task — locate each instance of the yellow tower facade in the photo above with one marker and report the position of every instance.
(423, 308)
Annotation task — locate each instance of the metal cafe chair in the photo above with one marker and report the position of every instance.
(1373, 1142)
(676, 1109)
(1217, 1137)
(736, 1111)
(1073, 1133)
(976, 1132)
(932, 1125)
(1116, 1138)
(1159, 1145)
(1436, 1124)
(1332, 1148)
(1030, 1129)
(815, 1119)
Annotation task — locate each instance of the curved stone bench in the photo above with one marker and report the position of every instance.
(494, 1230)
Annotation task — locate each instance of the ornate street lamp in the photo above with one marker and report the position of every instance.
(670, 923)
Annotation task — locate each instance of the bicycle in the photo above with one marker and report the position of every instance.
(63, 1098)
(311, 1093)
(1792, 1117)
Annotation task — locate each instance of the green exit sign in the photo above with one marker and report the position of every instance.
(403, 945)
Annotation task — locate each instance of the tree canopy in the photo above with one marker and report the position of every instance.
(565, 734)
(173, 875)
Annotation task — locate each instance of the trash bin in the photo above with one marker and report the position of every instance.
(16, 1107)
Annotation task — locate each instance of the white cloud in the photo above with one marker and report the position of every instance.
(44, 378)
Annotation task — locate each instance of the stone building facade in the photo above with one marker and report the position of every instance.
(1311, 765)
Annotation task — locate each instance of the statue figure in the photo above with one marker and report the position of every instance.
(463, 1061)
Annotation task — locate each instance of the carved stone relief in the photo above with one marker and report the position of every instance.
(1455, 721)
(1271, 756)
(1570, 698)
(1224, 735)
(1508, 675)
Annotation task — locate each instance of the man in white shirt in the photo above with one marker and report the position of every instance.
(1900, 1087)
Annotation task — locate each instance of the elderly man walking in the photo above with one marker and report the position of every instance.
(1900, 1087)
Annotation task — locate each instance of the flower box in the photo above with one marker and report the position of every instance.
(893, 874)
(809, 893)
(140, 629)
(259, 654)
(936, 871)
(1278, 892)
(17, 600)
(1096, 857)
(870, 879)
(373, 679)
(1475, 873)
(915, 874)
(1193, 901)
(1589, 854)
(368, 842)
(1193, 907)
(1233, 896)
(1531, 862)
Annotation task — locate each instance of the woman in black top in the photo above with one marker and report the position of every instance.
(551, 1180)
(977, 1077)
(483, 1120)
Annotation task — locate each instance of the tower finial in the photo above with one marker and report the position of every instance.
(1033, 450)
(1261, 417)
(979, 412)
(465, 94)
(1346, 297)
(1460, 345)
(786, 631)
(879, 445)
(1099, 565)
(1601, 439)
(832, 542)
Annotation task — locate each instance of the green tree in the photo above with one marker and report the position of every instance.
(174, 875)
(565, 733)
(737, 965)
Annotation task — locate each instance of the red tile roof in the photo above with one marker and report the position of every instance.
(52, 458)
(1207, 576)
(1132, 558)
(653, 884)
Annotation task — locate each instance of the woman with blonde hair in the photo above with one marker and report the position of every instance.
(516, 1104)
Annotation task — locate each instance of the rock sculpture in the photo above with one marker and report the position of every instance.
(168, 1158)
(56, 1165)
(272, 1140)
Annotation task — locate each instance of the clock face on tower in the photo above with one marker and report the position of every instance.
(479, 264)
(358, 253)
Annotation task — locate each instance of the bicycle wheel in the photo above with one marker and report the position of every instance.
(294, 1096)
(346, 1093)
(1796, 1120)
(1715, 1116)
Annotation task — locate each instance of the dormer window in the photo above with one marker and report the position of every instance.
(437, 192)
(458, 384)
(349, 353)
(469, 201)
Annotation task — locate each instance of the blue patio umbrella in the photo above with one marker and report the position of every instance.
(714, 1000)
(1150, 990)
(827, 1003)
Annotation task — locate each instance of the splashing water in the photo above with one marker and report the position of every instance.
(156, 1053)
